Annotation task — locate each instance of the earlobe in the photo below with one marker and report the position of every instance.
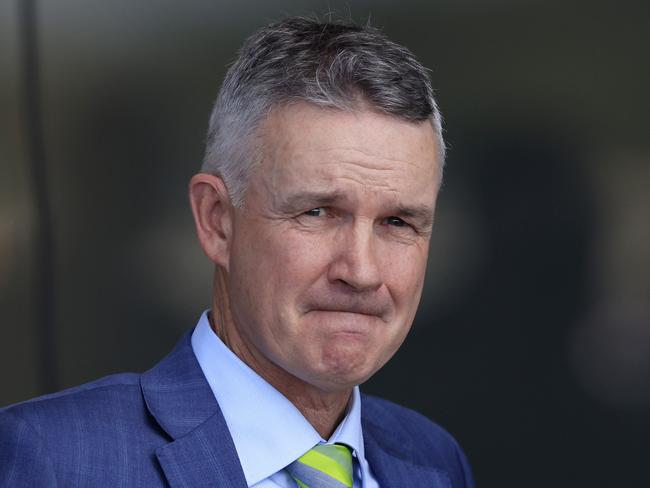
(212, 212)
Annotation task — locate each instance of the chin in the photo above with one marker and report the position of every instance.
(344, 371)
(341, 361)
(336, 383)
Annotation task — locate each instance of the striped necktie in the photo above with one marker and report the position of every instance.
(324, 466)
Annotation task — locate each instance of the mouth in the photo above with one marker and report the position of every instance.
(374, 310)
(371, 313)
(345, 321)
(348, 309)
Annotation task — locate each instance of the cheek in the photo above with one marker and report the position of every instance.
(297, 259)
(277, 265)
(404, 270)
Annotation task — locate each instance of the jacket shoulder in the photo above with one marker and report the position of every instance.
(23, 460)
(50, 440)
(401, 429)
(87, 397)
(405, 421)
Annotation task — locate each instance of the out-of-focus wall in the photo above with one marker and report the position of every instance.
(532, 344)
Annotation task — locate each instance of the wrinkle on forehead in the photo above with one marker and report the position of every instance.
(368, 184)
(364, 157)
(308, 147)
(351, 166)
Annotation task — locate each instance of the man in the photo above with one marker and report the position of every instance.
(315, 203)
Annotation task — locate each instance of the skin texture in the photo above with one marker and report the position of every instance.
(320, 273)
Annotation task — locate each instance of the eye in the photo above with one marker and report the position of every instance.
(395, 222)
(315, 212)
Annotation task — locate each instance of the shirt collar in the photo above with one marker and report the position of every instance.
(268, 431)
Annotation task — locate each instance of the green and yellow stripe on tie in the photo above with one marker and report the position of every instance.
(324, 466)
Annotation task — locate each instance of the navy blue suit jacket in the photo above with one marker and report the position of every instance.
(165, 428)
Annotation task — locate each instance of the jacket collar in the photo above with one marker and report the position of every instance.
(201, 452)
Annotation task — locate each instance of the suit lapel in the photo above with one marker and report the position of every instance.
(202, 458)
(201, 452)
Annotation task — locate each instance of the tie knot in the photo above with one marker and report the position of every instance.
(323, 466)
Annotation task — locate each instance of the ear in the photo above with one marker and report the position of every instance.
(212, 216)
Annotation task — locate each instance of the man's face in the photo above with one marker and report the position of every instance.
(328, 254)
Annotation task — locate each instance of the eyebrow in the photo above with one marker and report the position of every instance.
(308, 199)
(422, 215)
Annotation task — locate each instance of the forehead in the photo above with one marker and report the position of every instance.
(350, 153)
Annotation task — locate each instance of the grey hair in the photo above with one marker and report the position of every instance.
(331, 65)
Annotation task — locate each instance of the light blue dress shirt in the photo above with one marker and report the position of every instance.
(269, 432)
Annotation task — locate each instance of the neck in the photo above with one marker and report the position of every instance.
(324, 410)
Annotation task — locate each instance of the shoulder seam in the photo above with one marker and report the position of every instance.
(66, 393)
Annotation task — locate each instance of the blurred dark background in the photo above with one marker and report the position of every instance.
(532, 344)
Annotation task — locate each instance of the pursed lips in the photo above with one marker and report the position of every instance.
(366, 309)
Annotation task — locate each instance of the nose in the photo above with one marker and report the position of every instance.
(355, 259)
